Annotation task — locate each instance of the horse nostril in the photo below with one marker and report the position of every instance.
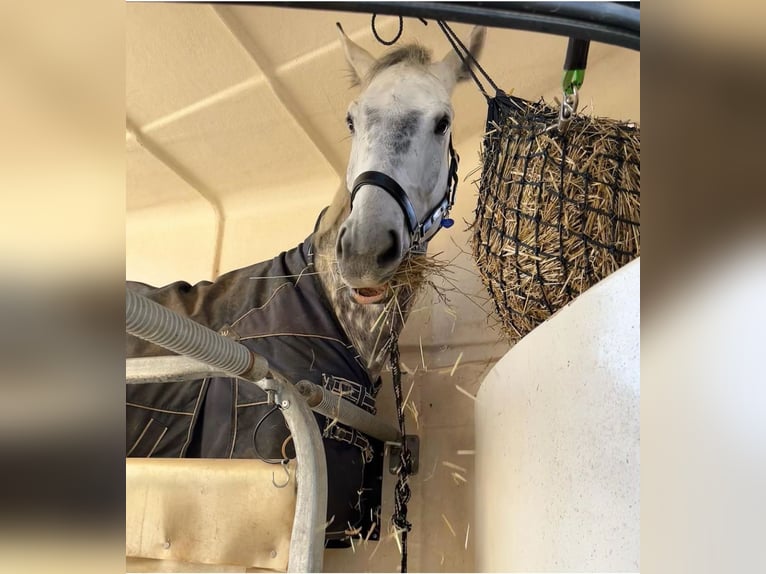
(339, 243)
(391, 253)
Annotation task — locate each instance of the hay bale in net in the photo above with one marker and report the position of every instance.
(556, 213)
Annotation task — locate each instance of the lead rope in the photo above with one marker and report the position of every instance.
(402, 490)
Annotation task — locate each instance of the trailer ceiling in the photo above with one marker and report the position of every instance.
(235, 122)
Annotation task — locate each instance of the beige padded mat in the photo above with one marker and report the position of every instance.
(208, 512)
(152, 565)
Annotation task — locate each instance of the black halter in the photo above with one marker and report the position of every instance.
(418, 229)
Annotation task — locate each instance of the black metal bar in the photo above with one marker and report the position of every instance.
(577, 54)
(608, 22)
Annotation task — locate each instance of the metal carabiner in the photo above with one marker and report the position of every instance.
(568, 109)
(287, 472)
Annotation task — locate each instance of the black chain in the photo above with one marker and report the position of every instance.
(402, 491)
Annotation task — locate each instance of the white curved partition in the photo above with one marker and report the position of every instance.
(557, 440)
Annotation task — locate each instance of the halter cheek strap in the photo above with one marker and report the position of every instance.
(419, 230)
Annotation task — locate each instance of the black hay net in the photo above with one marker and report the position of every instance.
(556, 213)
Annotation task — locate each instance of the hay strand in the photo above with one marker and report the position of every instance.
(447, 522)
(458, 478)
(454, 466)
(467, 530)
(457, 362)
(466, 393)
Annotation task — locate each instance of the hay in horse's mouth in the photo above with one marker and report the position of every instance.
(369, 295)
(414, 273)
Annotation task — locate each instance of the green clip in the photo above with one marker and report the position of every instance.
(572, 79)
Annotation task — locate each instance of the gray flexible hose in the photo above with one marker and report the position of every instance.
(331, 405)
(154, 323)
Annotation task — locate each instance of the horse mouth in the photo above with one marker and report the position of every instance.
(369, 295)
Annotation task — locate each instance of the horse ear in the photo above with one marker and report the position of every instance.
(452, 69)
(358, 58)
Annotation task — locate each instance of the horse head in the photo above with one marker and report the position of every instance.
(402, 168)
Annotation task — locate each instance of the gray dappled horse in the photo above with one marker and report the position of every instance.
(325, 310)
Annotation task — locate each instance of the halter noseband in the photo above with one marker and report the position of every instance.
(418, 229)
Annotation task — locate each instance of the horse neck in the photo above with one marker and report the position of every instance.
(370, 328)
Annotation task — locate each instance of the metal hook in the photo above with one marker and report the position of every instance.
(568, 109)
(287, 472)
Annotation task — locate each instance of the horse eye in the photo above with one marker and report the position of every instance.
(442, 125)
(350, 123)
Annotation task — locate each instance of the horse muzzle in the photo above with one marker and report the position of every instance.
(367, 260)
